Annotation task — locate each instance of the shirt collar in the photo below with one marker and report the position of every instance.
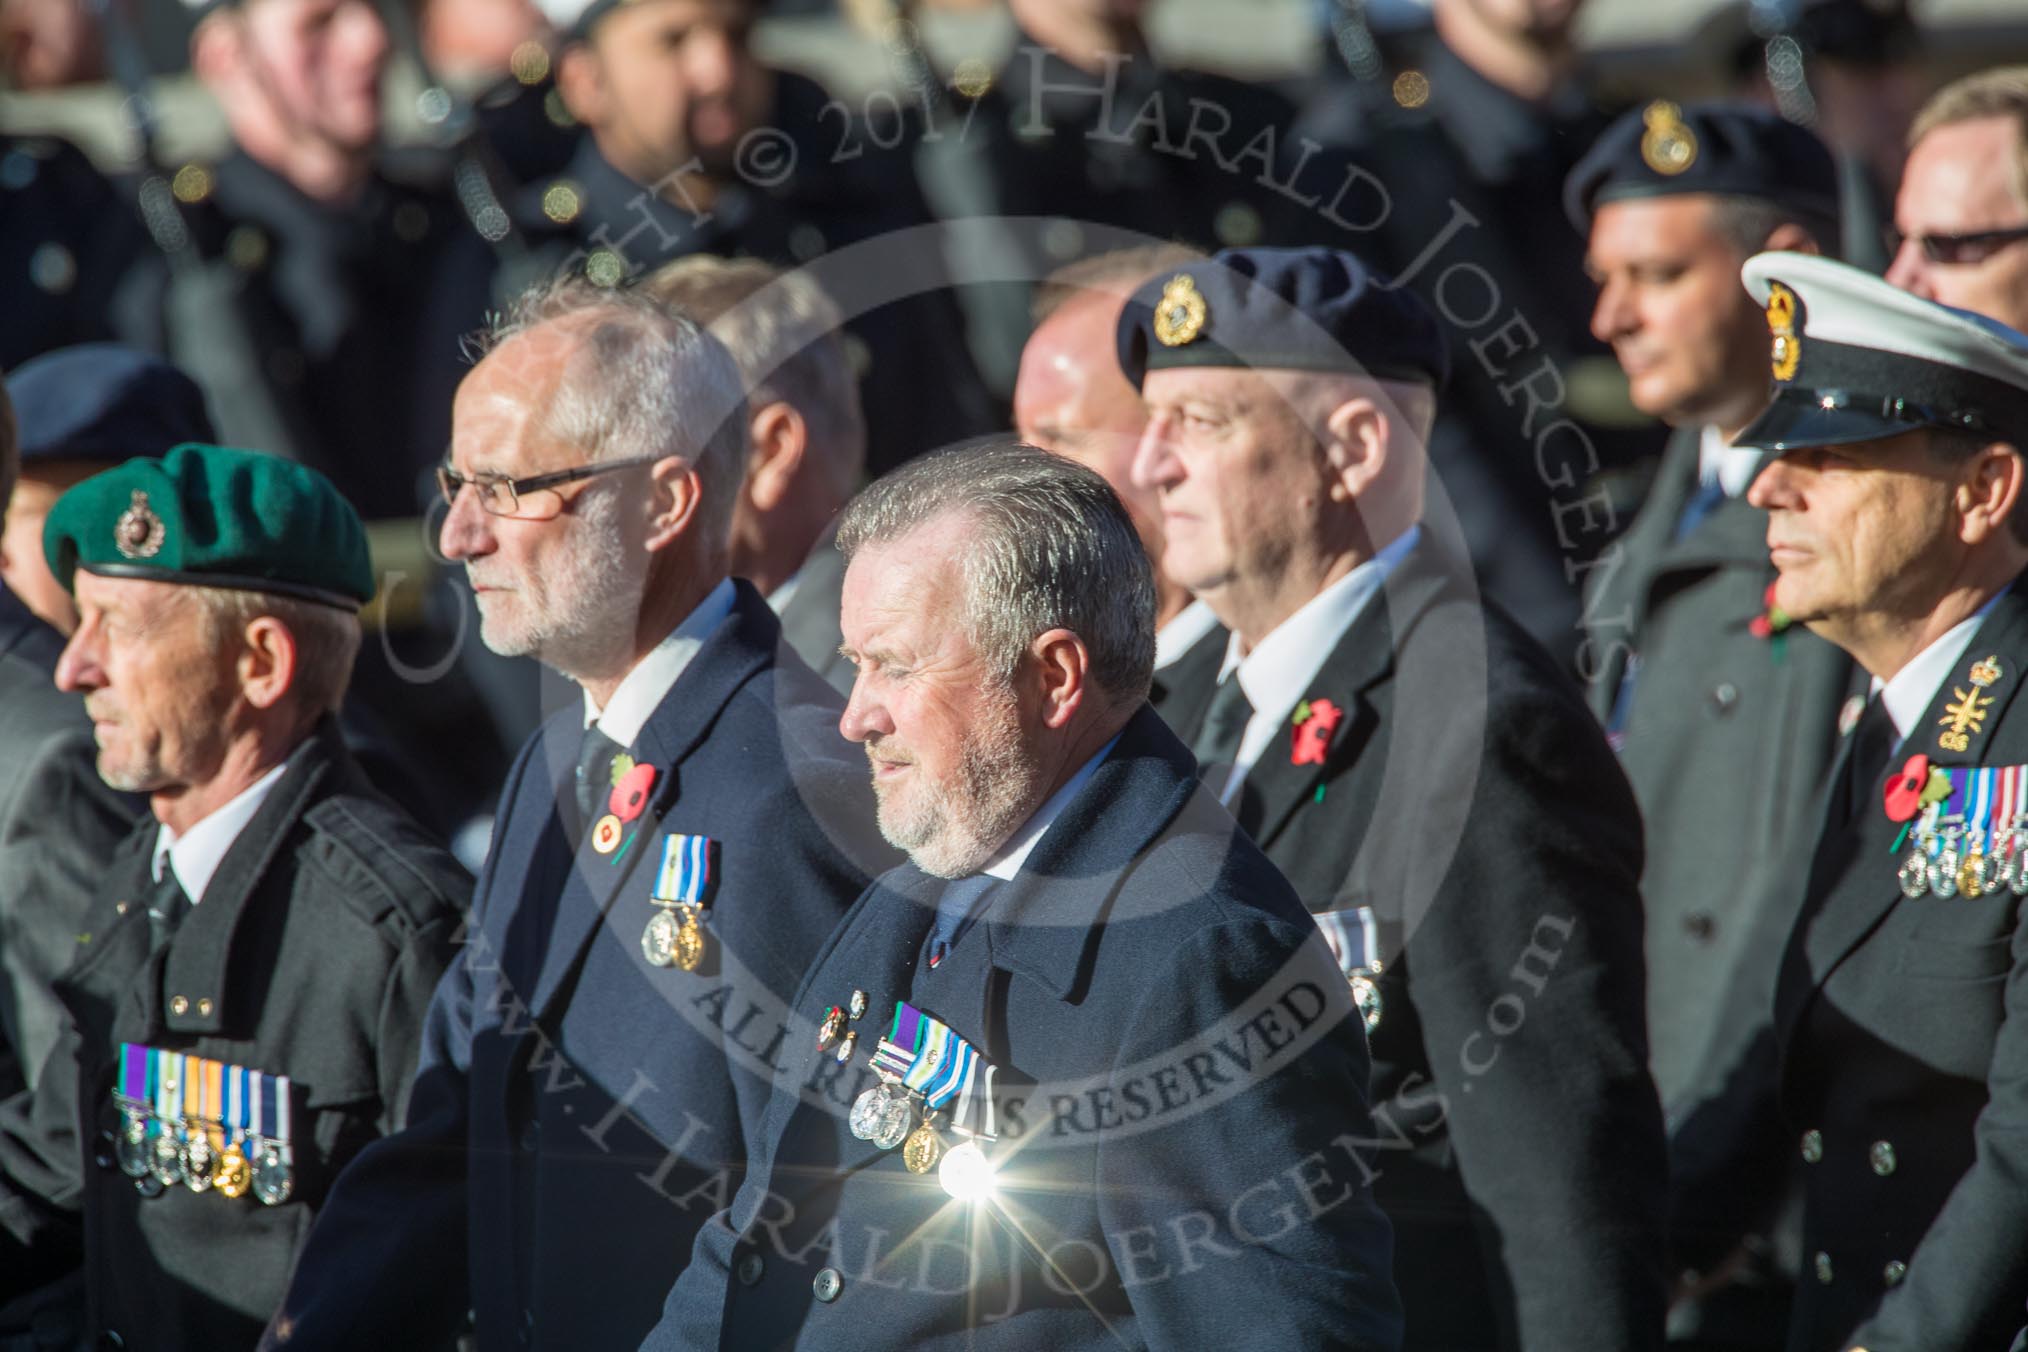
(1178, 636)
(648, 684)
(1022, 843)
(779, 598)
(1282, 665)
(1733, 466)
(1914, 687)
(197, 853)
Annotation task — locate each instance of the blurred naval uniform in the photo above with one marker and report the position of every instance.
(67, 237)
(241, 1019)
(1432, 785)
(1451, 184)
(1897, 1067)
(810, 183)
(1164, 153)
(345, 325)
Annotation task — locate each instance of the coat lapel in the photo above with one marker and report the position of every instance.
(738, 648)
(1841, 914)
(1351, 677)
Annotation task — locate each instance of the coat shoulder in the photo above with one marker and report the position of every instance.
(385, 870)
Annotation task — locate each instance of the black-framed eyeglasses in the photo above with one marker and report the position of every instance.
(502, 496)
(1958, 250)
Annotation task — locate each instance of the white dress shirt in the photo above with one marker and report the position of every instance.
(1180, 635)
(197, 853)
(1277, 674)
(649, 683)
(1732, 465)
(1022, 843)
(1914, 687)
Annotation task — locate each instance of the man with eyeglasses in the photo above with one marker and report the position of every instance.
(1961, 219)
(671, 849)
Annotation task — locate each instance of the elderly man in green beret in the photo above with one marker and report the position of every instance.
(245, 1005)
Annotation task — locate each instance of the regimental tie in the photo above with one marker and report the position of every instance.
(593, 781)
(1217, 744)
(206, 1125)
(167, 905)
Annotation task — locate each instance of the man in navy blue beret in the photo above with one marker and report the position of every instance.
(1430, 782)
(1698, 690)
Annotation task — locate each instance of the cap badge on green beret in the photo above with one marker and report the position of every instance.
(138, 533)
(1668, 146)
(1181, 313)
(1786, 351)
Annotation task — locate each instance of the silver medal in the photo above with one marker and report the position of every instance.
(658, 941)
(273, 1180)
(167, 1166)
(881, 1115)
(1914, 875)
(1943, 874)
(1366, 995)
(199, 1161)
(131, 1149)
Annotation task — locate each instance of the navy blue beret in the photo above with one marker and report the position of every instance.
(1308, 309)
(1727, 149)
(101, 401)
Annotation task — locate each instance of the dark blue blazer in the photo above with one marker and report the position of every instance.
(1179, 1089)
(578, 1112)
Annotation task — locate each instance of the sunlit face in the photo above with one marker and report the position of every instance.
(1691, 340)
(1961, 180)
(157, 693)
(1239, 478)
(564, 590)
(672, 79)
(954, 769)
(1534, 19)
(1071, 398)
(1860, 531)
(319, 63)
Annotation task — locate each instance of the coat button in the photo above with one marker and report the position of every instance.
(750, 1269)
(180, 1005)
(1813, 1146)
(1700, 926)
(1822, 1263)
(1894, 1272)
(1881, 1156)
(531, 1137)
(1724, 696)
(111, 1338)
(204, 1007)
(120, 907)
(826, 1284)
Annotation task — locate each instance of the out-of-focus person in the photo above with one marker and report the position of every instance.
(1428, 780)
(67, 242)
(692, 144)
(49, 44)
(1894, 489)
(673, 847)
(245, 1005)
(1699, 686)
(1070, 398)
(1962, 212)
(806, 438)
(1444, 164)
(327, 281)
(499, 54)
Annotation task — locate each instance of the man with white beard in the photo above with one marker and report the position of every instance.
(1087, 1004)
(671, 849)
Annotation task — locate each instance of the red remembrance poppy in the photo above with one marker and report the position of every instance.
(630, 795)
(1904, 789)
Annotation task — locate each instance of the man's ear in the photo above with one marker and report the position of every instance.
(678, 496)
(1356, 438)
(1991, 493)
(1062, 667)
(778, 439)
(1793, 238)
(267, 662)
(581, 83)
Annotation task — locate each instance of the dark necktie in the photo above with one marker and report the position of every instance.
(594, 783)
(961, 901)
(1873, 739)
(167, 905)
(1217, 744)
(1710, 493)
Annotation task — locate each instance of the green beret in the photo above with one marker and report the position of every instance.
(214, 517)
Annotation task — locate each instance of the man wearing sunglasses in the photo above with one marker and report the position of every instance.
(671, 848)
(1961, 219)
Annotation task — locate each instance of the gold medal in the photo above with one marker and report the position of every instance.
(920, 1151)
(234, 1177)
(688, 950)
